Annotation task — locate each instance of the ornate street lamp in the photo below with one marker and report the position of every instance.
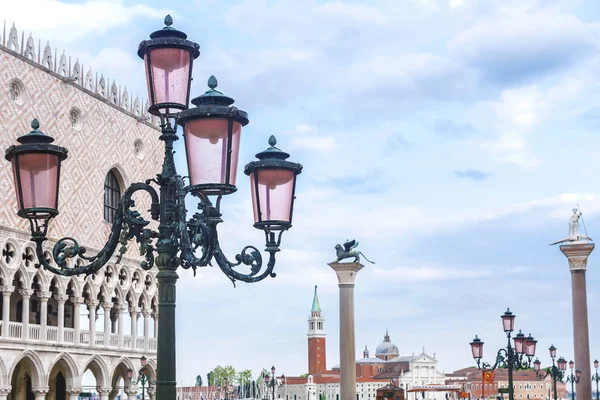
(511, 358)
(573, 378)
(596, 378)
(270, 381)
(212, 132)
(142, 376)
(556, 372)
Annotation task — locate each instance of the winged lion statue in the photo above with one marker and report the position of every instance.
(348, 251)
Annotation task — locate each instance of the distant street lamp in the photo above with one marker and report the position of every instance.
(556, 371)
(596, 378)
(573, 378)
(271, 381)
(142, 377)
(512, 358)
(211, 132)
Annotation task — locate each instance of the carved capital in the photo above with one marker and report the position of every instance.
(73, 390)
(6, 289)
(122, 307)
(146, 312)
(26, 293)
(104, 391)
(44, 295)
(107, 305)
(346, 272)
(135, 310)
(131, 390)
(41, 390)
(61, 298)
(92, 303)
(5, 391)
(77, 299)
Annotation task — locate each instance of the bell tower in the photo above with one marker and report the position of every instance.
(316, 338)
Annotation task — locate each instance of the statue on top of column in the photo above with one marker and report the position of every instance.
(574, 235)
(348, 251)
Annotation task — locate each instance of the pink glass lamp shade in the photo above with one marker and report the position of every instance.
(552, 350)
(530, 346)
(129, 373)
(273, 187)
(571, 364)
(273, 370)
(596, 364)
(508, 321)
(36, 171)
(578, 374)
(520, 340)
(537, 365)
(562, 364)
(168, 58)
(477, 348)
(143, 361)
(212, 132)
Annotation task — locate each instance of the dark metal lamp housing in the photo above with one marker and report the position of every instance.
(169, 59)
(36, 171)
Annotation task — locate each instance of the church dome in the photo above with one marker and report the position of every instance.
(387, 348)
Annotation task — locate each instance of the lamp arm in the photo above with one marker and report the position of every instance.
(128, 224)
(200, 233)
(501, 358)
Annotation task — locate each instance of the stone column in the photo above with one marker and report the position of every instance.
(73, 393)
(6, 292)
(120, 310)
(133, 313)
(104, 393)
(131, 391)
(346, 274)
(146, 313)
(577, 254)
(60, 299)
(25, 296)
(155, 318)
(92, 304)
(44, 296)
(76, 318)
(151, 392)
(107, 306)
(40, 392)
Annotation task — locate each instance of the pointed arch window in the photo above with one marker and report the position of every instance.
(112, 195)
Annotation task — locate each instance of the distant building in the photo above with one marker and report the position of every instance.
(372, 373)
(526, 384)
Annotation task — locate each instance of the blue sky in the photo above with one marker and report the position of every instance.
(450, 137)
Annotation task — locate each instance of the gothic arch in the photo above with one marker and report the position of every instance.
(90, 289)
(120, 370)
(98, 367)
(4, 274)
(144, 301)
(76, 285)
(151, 365)
(65, 363)
(4, 378)
(23, 275)
(60, 284)
(121, 176)
(43, 279)
(33, 363)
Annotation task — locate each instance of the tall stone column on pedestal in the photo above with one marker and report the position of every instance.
(577, 254)
(346, 273)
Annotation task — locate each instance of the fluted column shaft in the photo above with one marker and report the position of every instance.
(44, 296)
(577, 254)
(6, 292)
(92, 304)
(77, 318)
(346, 274)
(61, 298)
(107, 306)
(120, 310)
(25, 296)
(133, 313)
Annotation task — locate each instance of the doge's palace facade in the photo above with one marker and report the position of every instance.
(53, 329)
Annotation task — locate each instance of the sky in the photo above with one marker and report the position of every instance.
(451, 138)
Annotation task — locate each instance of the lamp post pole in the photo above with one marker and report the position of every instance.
(573, 378)
(212, 131)
(596, 378)
(556, 371)
(512, 358)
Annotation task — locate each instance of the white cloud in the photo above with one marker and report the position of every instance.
(68, 22)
